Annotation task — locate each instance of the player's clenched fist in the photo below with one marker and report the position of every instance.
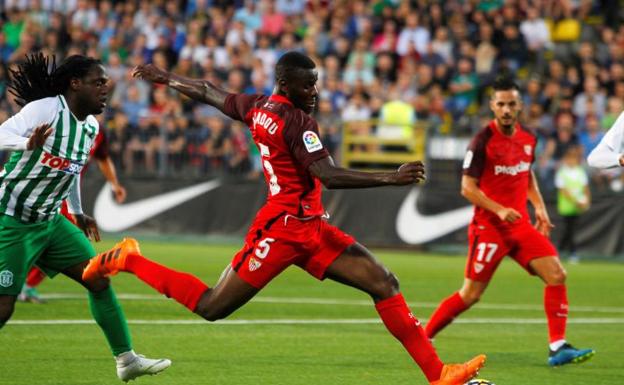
(508, 214)
(151, 73)
(412, 172)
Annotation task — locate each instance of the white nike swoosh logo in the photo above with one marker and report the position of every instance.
(113, 217)
(415, 228)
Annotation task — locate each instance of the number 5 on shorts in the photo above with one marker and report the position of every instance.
(264, 247)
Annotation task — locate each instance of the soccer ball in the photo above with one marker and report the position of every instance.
(479, 381)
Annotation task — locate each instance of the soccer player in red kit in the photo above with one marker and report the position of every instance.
(100, 153)
(498, 180)
(290, 228)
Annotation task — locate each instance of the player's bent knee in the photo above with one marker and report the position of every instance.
(557, 277)
(6, 310)
(386, 288)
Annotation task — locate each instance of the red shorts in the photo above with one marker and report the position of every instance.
(277, 241)
(489, 244)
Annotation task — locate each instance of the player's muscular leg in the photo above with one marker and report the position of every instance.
(549, 269)
(358, 268)
(471, 291)
(96, 285)
(7, 305)
(230, 293)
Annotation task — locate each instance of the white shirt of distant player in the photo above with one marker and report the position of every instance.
(608, 152)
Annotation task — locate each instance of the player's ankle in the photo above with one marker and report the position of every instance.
(125, 358)
(556, 344)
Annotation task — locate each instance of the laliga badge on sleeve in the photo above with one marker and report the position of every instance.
(312, 141)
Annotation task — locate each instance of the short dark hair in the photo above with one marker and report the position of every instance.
(290, 63)
(505, 83)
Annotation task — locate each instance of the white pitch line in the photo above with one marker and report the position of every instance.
(350, 321)
(348, 302)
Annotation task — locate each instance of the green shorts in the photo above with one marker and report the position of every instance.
(53, 246)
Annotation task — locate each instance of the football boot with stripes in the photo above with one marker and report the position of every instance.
(112, 261)
(458, 374)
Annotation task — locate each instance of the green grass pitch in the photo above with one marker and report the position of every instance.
(336, 339)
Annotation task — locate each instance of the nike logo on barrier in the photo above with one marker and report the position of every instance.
(415, 228)
(111, 216)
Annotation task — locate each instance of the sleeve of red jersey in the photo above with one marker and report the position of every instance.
(302, 137)
(100, 150)
(236, 106)
(474, 161)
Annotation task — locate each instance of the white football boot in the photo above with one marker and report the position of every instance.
(131, 366)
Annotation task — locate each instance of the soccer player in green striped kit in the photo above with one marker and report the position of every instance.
(51, 137)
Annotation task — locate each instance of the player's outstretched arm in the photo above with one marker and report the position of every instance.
(334, 177)
(471, 191)
(609, 152)
(196, 89)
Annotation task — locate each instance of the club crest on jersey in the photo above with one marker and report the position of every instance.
(478, 267)
(60, 164)
(312, 141)
(6, 278)
(254, 264)
(528, 149)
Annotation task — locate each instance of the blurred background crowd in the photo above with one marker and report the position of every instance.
(429, 61)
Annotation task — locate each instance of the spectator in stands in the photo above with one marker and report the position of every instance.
(573, 198)
(537, 35)
(238, 161)
(142, 144)
(413, 34)
(330, 125)
(356, 115)
(397, 119)
(464, 87)
(556, 146)
(591, 94)
(216, 148)
(513, 53)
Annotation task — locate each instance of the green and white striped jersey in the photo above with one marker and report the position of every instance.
(34, 183)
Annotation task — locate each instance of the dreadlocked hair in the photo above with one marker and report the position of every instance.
(38, 77)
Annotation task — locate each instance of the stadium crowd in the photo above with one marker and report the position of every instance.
(435, 58)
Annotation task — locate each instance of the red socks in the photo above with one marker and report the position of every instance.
(35, 276)
(556, 307)
(450, 308)
(182, 287)
(406, 328)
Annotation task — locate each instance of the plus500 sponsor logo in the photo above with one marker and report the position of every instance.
(512, 170)
(60, 164)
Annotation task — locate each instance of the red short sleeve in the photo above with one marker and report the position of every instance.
(236, 106)
(100, 149)
(302, 137)
(474, 161)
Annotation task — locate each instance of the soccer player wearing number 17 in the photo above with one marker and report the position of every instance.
(289, 229)
(498, 180)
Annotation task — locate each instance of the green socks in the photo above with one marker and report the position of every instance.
(110, 317)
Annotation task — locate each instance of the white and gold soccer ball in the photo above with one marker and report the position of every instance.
(479, 381)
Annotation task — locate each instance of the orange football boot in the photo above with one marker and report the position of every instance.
(112, 261)
(458, 374)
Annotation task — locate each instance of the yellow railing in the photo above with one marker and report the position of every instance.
(374, 152)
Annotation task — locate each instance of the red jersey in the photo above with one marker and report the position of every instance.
(288, 141)
(502, 165)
